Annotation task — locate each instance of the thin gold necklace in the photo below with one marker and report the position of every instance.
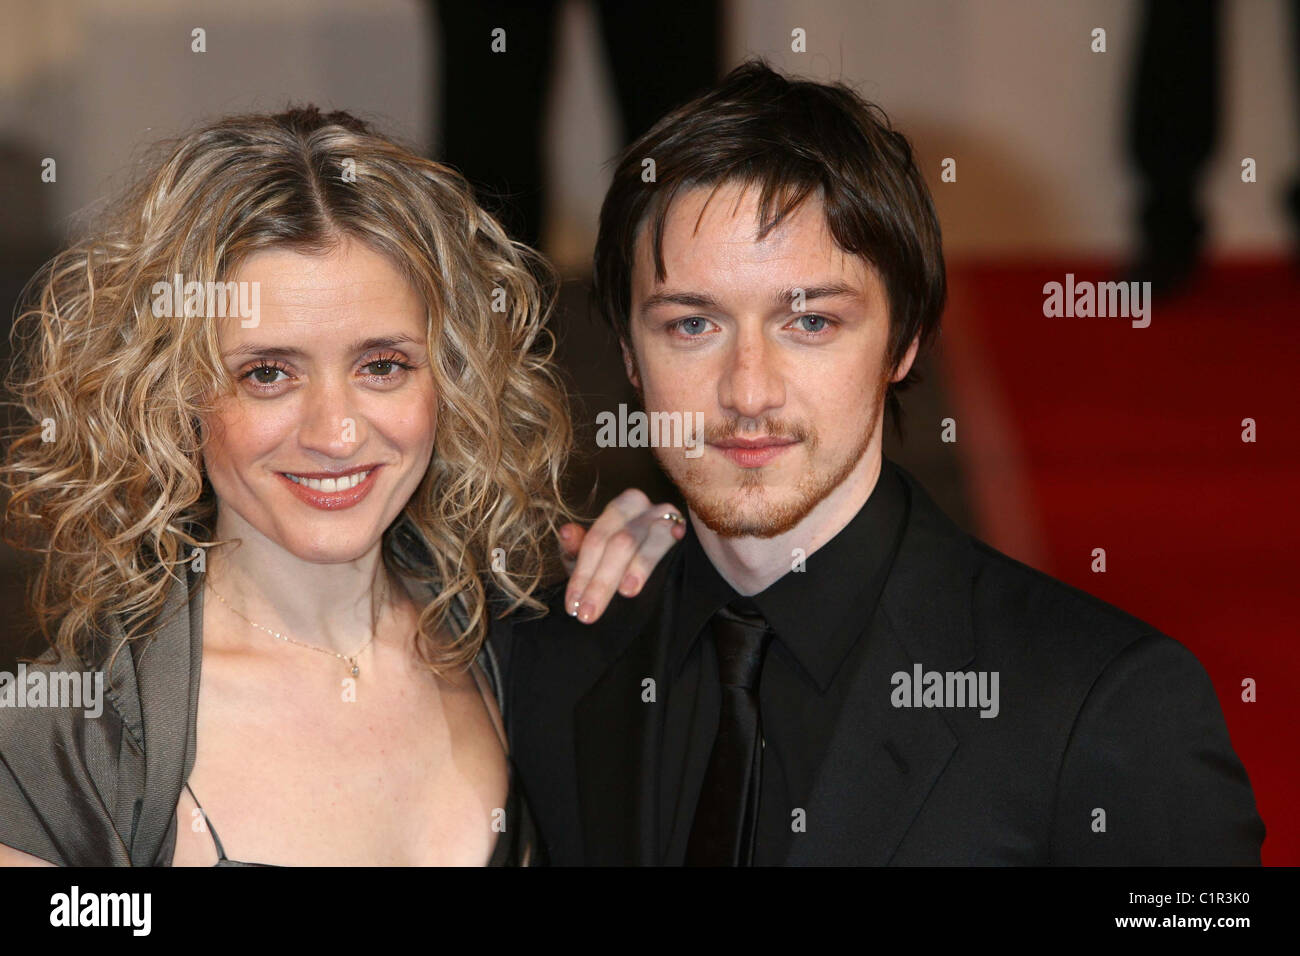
(349, 659)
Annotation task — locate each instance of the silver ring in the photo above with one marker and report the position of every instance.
(675, 518)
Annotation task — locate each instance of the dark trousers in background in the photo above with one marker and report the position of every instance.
(661, 55)
(1173, 125)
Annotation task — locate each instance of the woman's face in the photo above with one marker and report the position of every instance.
(332, 380)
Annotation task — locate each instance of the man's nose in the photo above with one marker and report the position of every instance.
(751, 383)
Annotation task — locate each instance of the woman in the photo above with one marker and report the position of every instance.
(295, 430)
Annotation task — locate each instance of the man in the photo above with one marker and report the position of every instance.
(828, 671)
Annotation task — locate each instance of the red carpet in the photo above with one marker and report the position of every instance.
(1129, 439)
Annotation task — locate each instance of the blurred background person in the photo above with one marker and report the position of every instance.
(1175, 121)
(495, 76)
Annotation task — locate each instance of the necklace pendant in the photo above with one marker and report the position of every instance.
(355, 670)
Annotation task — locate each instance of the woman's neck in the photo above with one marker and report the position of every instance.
(333, 606)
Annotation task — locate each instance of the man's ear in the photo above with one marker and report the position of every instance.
(905, 365)
(629, 364)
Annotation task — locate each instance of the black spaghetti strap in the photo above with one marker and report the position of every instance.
(487, 678)
(207, 825)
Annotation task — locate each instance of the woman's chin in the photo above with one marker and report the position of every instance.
(333, 551)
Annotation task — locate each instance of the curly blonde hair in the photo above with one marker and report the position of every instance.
(117, 501)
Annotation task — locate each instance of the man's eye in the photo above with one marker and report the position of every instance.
(691, 326)
(815, 323)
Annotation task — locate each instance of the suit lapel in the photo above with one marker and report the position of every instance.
(617, 740)
(882, 761)
(878, 769)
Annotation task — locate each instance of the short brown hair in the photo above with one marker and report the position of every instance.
(791, 139)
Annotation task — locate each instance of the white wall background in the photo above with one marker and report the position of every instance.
(1007, 87)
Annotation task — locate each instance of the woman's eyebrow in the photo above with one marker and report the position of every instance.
(288, 351)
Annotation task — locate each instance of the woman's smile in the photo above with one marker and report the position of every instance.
(343, 490)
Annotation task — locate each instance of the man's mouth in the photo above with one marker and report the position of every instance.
(753, 452)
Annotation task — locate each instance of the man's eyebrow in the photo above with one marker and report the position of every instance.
(695, 300)
(287, 351)
(784, 299)
(829, 291)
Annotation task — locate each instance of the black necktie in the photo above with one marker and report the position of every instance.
(726, 816)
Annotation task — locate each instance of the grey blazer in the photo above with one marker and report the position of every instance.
(102, 791)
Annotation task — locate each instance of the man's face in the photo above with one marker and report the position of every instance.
(781, 343)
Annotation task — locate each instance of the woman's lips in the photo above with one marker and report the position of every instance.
(332, 500)
(748, 455)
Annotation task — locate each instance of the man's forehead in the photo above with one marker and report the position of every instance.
(732, 210)
(727, 218)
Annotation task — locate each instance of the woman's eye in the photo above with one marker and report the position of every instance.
(815, 323)
(257, 374)
(385, 368)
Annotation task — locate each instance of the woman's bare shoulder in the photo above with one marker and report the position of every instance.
(11, 857)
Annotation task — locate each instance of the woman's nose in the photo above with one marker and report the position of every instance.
(331, 422)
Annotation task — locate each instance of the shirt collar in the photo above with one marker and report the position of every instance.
(817, 613)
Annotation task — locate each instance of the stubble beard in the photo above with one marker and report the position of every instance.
(749, 510)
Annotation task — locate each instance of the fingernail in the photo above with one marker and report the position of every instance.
(587, 614)
(572, 606)
(629, 585)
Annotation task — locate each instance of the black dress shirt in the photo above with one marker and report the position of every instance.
(819, 617)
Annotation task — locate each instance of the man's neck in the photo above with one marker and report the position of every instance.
(751, 564)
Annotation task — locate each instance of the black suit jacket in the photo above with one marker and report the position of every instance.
(1103, 722)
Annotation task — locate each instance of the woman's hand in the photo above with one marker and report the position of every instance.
(618, 551)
